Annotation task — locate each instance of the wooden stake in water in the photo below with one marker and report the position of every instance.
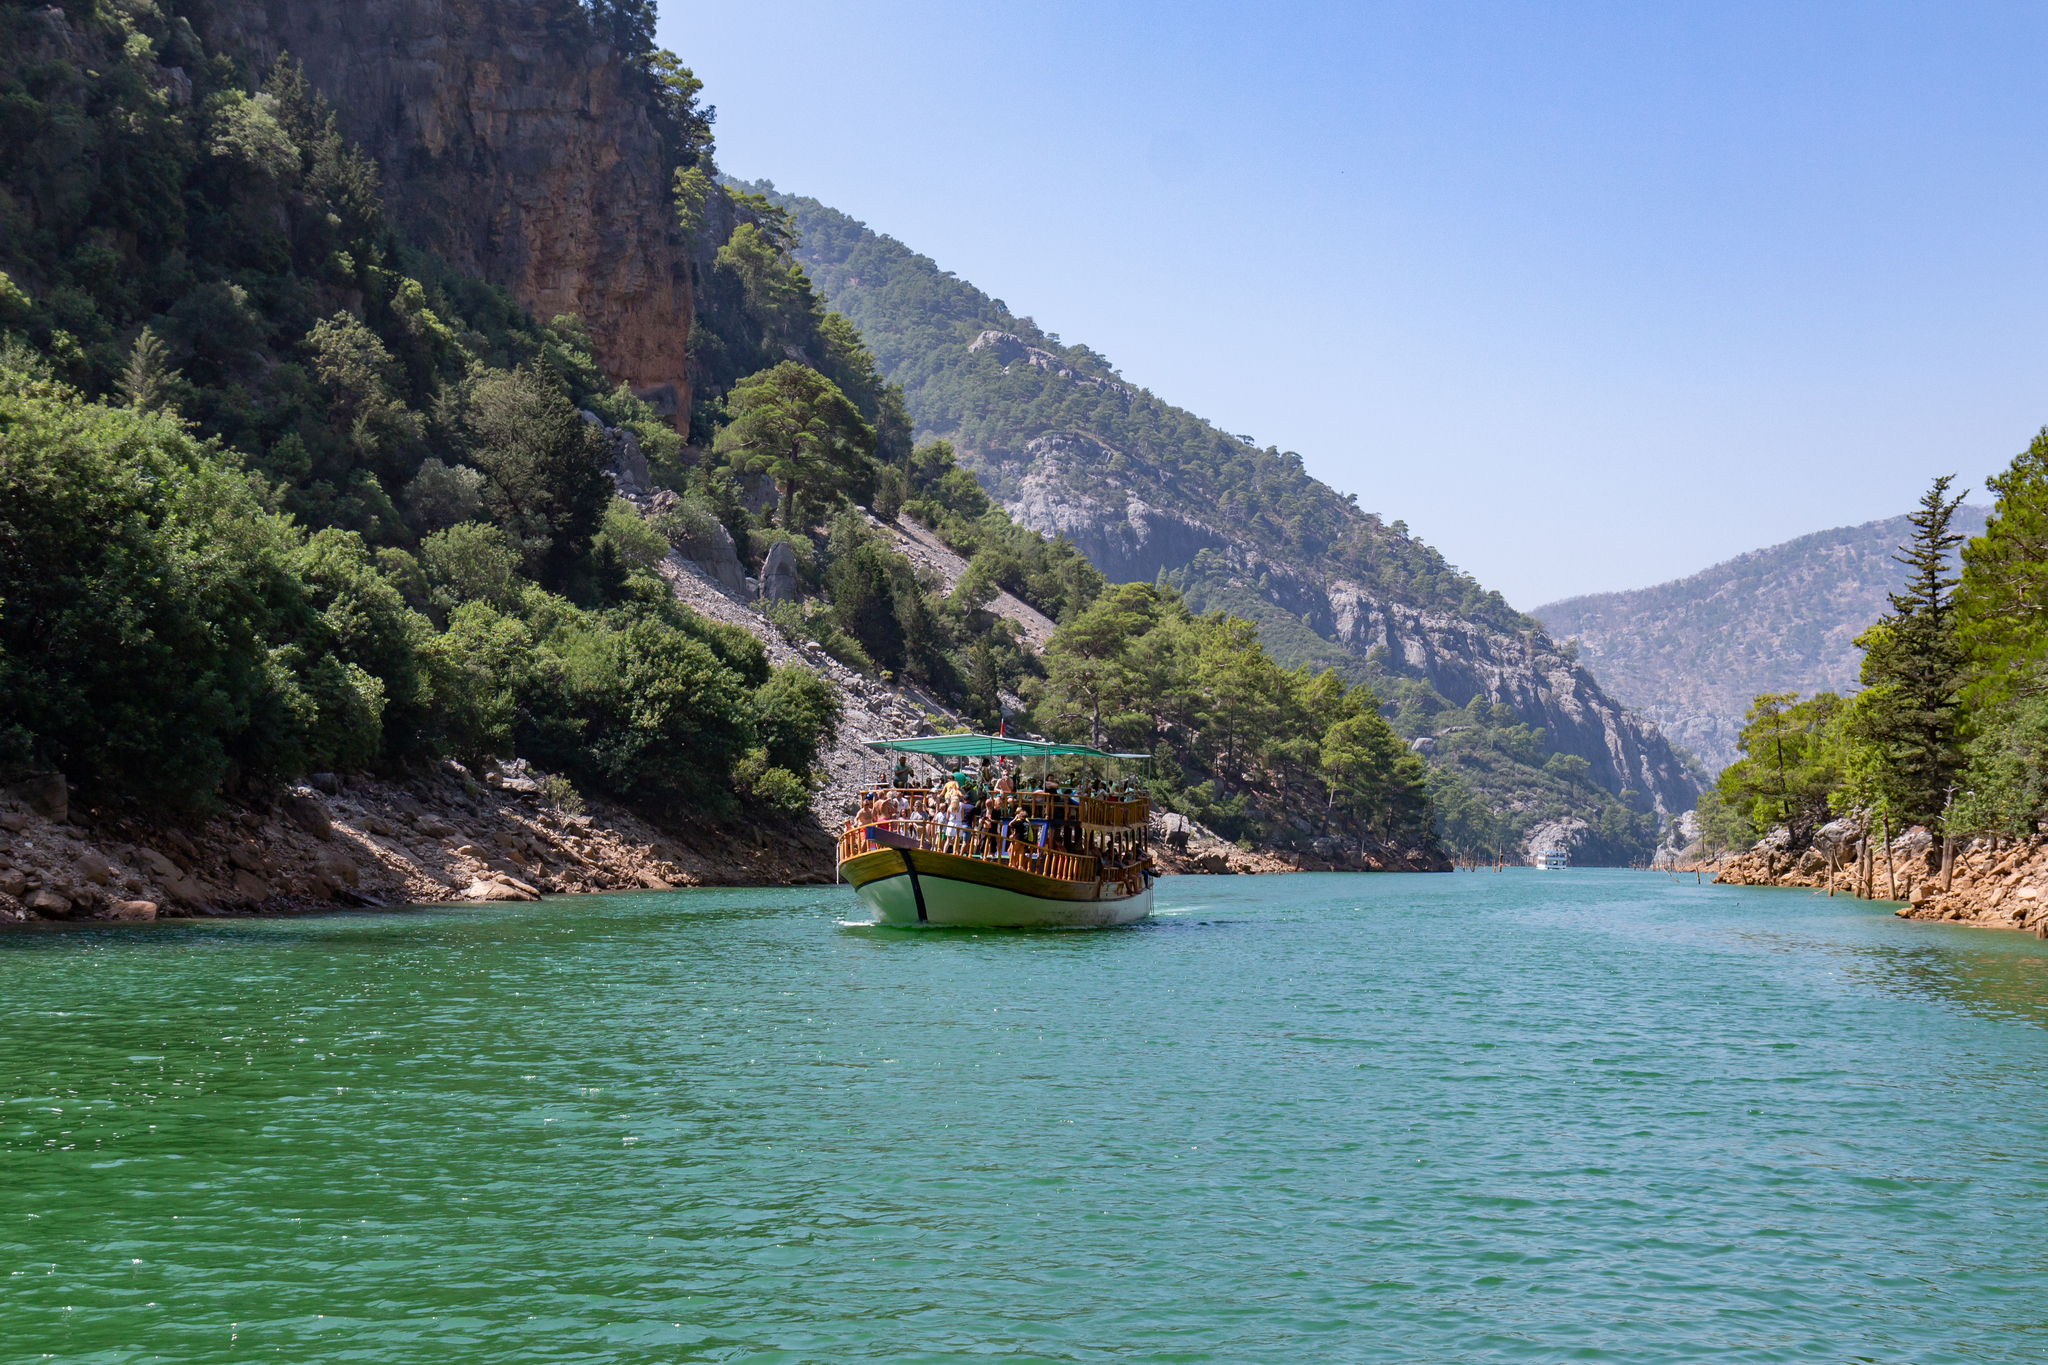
(1891, 876)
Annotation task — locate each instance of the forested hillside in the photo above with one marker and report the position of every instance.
(294, 478)
(1151, 493)
(1948, 727)
(1690, 654)
(284, 492)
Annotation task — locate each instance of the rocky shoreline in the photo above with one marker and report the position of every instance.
(442, 835)
(1985, 883)
(445, 835)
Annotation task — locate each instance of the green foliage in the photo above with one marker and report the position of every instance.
(137, 587)
(794, 425)
(1794, 753)
(2002, 603)
(797, 712)
(343, 514)
(777, 790)
(649, 713)
(2005, 786)
(469, 562)
(1908, 715)
(544, 466)
(1233, 734)
(1051, 575)
(1495, 778)
(919, 322)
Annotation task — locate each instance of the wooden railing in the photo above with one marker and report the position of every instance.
(1116, 814)
(1022, 854)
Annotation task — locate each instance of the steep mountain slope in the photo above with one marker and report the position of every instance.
(1691, 654)
(517, 153)
(1150, 492)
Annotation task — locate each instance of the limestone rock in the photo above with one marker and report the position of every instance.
(249, 886)
(516, 157)
(13, 821)
(705, 545)
(498, 891)
(183, 889)
(248, 858)
(1567, 833)
(308, 814)
(629, 466)
(778, 575)
(129, 912)
(157, 863)
(93, 868)
(12, 882)
(50, 905)
(47, 794)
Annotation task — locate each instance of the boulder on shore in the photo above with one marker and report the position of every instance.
(308, 814)
(47, 794)
(778, 575)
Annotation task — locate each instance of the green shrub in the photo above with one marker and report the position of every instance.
(797, 713)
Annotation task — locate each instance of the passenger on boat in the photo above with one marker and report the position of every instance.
(870, 813)
(903, 774)
(1005, 783)
(950, 824)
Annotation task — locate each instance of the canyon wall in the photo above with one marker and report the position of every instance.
(512, 147)
(1117, 511)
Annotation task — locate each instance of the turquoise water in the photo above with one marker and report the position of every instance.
(1517, 1117)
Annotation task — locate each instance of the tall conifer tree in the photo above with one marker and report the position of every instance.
(1912, 669)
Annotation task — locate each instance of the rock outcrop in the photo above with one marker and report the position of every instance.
(1072, 487)
(1011, 349)
(1126, 537)
(1992, 883)
(514, 148)
(444, 834)
(779, 581)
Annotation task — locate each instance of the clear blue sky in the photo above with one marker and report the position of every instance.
(1591, 296)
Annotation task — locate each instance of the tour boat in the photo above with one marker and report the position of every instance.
(1082, 865)
(1552, 859)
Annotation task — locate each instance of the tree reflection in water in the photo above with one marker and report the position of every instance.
(1995, 975)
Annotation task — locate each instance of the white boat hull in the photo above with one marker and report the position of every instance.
(917, 893)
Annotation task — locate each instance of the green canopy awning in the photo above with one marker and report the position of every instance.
(980, 746)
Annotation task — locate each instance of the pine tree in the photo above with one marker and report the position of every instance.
(1912, 670)
(145, 384)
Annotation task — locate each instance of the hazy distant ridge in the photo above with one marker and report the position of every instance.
(1690, 654)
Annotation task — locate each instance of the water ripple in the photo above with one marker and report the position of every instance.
(1476, 1118)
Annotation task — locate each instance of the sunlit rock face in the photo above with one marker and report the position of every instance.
(518, 156)
(1530, 675)
(1118, 512)
(1070, 489)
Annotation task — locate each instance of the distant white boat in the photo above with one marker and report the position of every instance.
(1551, 859)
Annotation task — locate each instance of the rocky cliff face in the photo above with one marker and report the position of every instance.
(1108, 504)
(510, 148)
(1123, 535)
(1527, 674)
